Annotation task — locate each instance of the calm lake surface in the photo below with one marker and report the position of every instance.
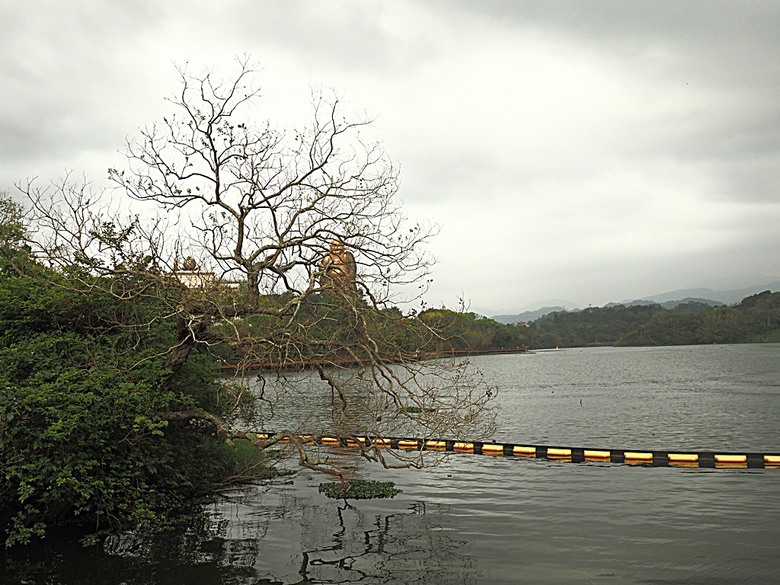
(479, 519)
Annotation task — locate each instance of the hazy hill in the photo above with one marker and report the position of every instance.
(670, 304)
(756, 319)
(727, 297)
(668, 300)
(526, 316)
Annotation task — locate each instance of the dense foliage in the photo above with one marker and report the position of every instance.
(591, 326)
(755, 319)
(460, 331)
(84, 394)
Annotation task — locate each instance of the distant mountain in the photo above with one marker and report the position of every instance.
(526, 316)
(533, 311)
(669, 304)
(668, 300)
(727, 297)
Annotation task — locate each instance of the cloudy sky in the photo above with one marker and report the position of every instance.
(586, 151)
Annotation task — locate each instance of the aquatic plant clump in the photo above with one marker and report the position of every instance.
(359, 489)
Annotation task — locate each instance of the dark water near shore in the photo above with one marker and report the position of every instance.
(479, 519)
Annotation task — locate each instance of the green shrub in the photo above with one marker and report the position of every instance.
(84, 391)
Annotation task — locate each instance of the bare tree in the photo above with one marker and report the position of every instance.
(267, 204)
(268, 214)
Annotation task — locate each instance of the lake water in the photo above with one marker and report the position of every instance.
(480, 519)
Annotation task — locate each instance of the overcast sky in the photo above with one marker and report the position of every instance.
(586, 151)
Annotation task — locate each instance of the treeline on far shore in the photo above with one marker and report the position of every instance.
(754, 320)
(440, 332)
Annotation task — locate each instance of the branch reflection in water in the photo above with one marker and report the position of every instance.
(304, 539)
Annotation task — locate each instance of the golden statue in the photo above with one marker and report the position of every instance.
(190, 264)
(338, 267)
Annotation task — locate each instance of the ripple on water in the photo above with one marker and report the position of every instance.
(476, 519)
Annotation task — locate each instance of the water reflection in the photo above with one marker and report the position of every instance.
(305, 539)
(278, 533)
(391, 547)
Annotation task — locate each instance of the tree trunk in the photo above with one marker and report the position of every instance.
(187, 334)
(252, 285)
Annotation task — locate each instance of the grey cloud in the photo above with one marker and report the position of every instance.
(61, 66)
(557, 135)
(347, 35)
(712, 22)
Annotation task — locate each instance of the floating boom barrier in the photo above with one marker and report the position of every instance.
(682, 458)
